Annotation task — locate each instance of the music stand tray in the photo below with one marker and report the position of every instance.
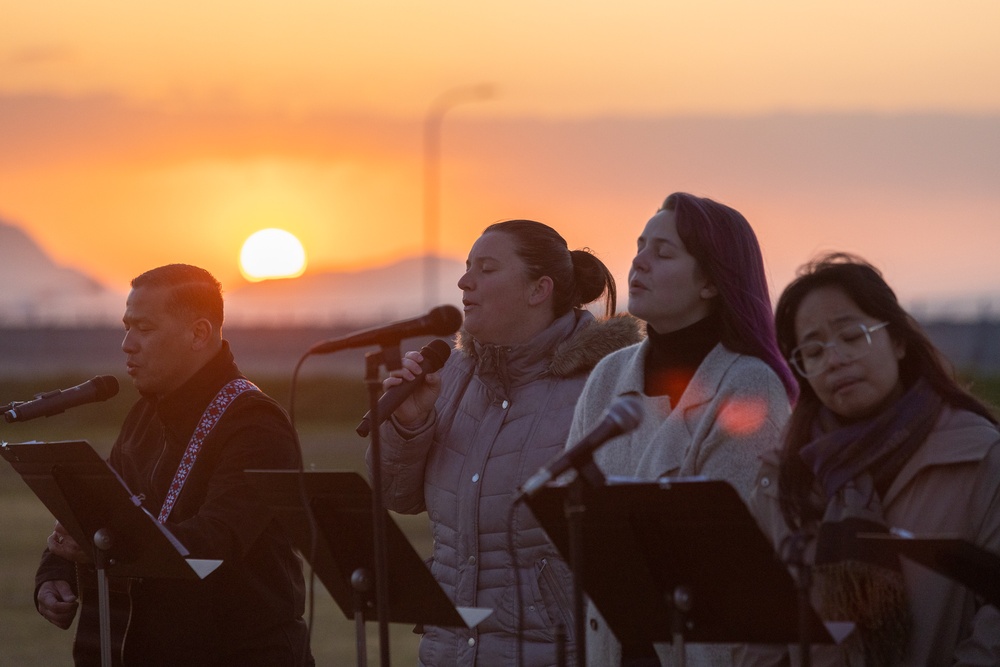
(87, 496)
(647, 542)
(955, 558)
(341, 505)
(92, 502)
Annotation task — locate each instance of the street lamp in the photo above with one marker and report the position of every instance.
(432, 174)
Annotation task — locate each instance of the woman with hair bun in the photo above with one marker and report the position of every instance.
(463, 443)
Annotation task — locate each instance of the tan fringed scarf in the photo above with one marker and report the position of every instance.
(855, 583)
(855, 464)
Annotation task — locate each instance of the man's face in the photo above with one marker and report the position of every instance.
(160, 347)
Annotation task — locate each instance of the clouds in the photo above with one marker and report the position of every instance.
(36, 55)
(114, 187)
(556, 58)
(139, 134)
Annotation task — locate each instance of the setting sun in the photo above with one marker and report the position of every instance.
(272, 253)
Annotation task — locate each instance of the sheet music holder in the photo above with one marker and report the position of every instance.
(340, 503)
(679, 560)
(89, 498)
(955, 558)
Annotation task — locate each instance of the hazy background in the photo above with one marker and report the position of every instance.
(132, 136)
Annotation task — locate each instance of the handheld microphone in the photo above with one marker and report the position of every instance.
(435, 354)
(623, 416)
(101, 388)
(440, 321)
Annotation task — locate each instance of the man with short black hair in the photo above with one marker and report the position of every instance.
(183, 450)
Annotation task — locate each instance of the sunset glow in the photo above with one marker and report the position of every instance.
(272, 253)
(842, 126)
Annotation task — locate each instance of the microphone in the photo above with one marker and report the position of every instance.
(101, 388)
(435, 354)
(623, 416)
(440, 321)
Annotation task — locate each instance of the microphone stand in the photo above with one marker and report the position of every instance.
(588, 475)
(389, 356)
(797, 559)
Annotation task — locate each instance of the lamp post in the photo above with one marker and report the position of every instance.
(432, 175)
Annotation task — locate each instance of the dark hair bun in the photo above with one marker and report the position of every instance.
(591, 275)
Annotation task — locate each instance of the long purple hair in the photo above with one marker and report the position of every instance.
(726, 249)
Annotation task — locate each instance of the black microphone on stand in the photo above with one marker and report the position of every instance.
(435, 354)
(440, 321)
(623, 416)
(101, 388)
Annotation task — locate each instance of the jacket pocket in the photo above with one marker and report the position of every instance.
(555, 583)
(529, 601)
(546, 601)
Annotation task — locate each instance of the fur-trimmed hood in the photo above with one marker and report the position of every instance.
(591, 341)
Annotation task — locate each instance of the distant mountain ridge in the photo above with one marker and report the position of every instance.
(40, 292)
(389, 292)
(37, 290)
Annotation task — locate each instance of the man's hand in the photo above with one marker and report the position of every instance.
(61, 544)
(57, 603)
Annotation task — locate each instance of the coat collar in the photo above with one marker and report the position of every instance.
(570, 346)
(959, 436)
(181, 409)
(704, 384)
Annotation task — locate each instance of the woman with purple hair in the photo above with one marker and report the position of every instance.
(715, 390)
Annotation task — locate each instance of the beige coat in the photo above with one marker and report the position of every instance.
(950, 487)
(732, 411)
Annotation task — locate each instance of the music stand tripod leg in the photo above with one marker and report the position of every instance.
(797, 560)
(681, 605)
(361, 582)
(575, 508)
(102, 544)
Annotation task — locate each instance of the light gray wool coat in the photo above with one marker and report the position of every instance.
(503, 412)
(732, 411)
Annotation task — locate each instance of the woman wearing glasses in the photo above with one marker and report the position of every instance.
(882, 437)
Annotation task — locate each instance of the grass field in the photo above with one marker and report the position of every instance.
(328, 411)
(329, 443)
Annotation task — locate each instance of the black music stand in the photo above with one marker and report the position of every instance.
(343, 554)
(955, 558)
(679, 560)
(89, 498)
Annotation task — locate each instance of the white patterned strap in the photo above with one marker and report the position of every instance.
(209, 419)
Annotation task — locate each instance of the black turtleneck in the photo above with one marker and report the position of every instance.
(675, 356)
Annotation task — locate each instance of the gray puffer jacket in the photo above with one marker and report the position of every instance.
(503, 412)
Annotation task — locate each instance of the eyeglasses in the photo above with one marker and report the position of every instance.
(852, 342)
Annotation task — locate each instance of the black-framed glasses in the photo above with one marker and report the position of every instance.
(852, 342)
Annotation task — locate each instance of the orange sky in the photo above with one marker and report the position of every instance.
(131, 136)
(559, 57)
